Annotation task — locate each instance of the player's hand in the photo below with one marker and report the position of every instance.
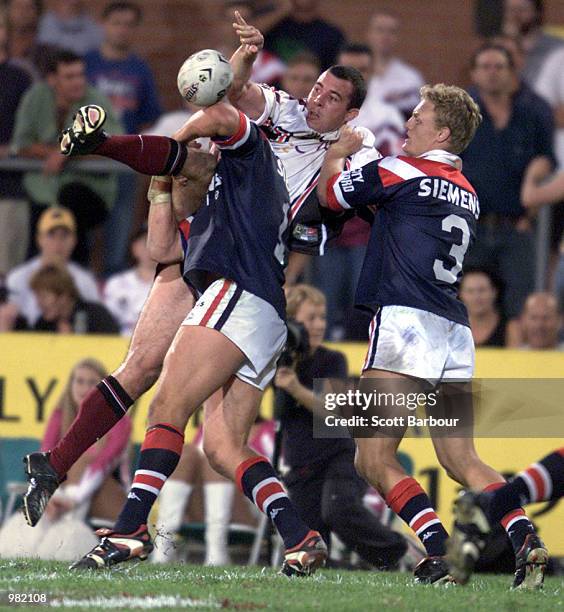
(250, 37)
(286, 379)
(350, 141)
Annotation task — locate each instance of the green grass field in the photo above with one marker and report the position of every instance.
(175, 587)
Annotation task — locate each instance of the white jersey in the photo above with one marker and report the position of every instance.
(300, 148)
(302, 151)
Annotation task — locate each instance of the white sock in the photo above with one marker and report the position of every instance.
(172, 502)
(218, 497)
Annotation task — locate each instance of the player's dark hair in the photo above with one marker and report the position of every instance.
(492, 46)
(117, 7)
(61, 56)
(353, 76)
(357, 48)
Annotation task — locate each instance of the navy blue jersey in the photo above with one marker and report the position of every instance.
(240, 231)
(425, 223)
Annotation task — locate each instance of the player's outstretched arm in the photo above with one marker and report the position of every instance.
(244, 94)
(349, 142)
(163, 239)
(535, 192)
(221, 119)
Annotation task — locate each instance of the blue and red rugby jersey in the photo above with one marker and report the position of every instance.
(426, 221)
(239, 232)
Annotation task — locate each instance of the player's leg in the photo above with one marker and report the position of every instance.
(377, 463)
(459, 457)
(344, 512)
(475, 513)
(542, 481)
(173, 498)
(166, 306)
(226, 433)
(188, 378)
(147, 154)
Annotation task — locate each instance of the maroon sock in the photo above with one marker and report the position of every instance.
(99, 411)
(146, 154)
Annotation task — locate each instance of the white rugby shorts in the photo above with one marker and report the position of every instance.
(420, 344)
(250, 322)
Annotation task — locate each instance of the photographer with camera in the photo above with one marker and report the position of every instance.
(322, 481)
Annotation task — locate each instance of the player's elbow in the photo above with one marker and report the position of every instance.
(224, 117)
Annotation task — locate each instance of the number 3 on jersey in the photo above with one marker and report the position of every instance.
(457, 251)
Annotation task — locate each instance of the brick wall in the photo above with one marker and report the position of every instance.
(437, 37)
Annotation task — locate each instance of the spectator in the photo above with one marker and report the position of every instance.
(537, 192)
(23, 48)
(56, 239)
(67, 26)
(128, 82)
(62, 310)
(125, 293)
(524, 19)
(90, 488)
(322, 481)
(541, 323)
(302, 29)
(44, 111)
(393, 81)
(14, 212)
(122, 76)
(301, 75)
(381, 118)
(515, 134)
(479, 291)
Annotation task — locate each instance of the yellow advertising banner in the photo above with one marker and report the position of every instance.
(34, 369)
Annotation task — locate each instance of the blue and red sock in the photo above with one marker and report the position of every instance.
(410, 502)
(257, 479)
(159, 457)
(515, 522)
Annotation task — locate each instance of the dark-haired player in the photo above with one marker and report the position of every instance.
(300, 132)
(233, 250)
(475, 513)
(420, 334)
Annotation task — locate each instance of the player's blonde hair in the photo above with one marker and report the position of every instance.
(298, 294)
(456, 110)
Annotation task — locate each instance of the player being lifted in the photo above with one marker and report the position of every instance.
(233, 250)
(475, 513)
(420, 334)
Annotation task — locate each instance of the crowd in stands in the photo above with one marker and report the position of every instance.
(57, 57)
(73, 255)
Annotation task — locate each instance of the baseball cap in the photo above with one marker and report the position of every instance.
(56, 216)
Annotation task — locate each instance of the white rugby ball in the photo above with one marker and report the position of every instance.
(205, 77)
